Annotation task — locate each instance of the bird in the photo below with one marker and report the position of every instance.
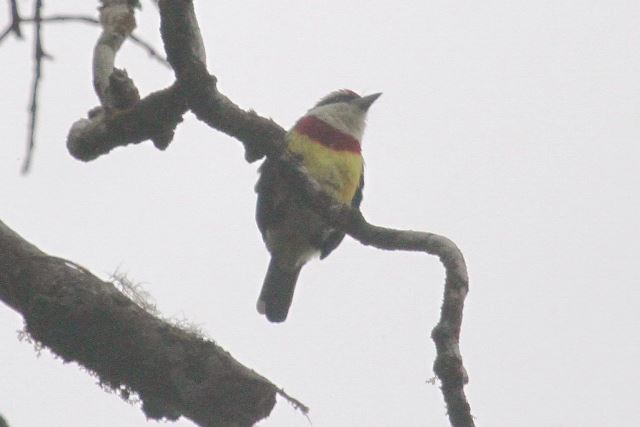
(327, 140)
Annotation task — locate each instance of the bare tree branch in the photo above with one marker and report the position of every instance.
(38, 55)
(86, 320)
(182, 41)
(260, 136)
(5, 33)
(151, 51)
(195, 89)
(90, 138)
(53, 19)
(184, 47)
(123, 87)
(110, 125)
(15, 19)
(118, 21)
(448, 365)
(14, 26)
(154, 117)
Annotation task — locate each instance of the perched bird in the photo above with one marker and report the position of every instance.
(328, 141)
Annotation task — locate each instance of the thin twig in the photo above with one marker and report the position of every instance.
(16, 20)
(5, 33)
(39, 54)
(66, 18)
(294, 402)
(153, 53)
(150, 50)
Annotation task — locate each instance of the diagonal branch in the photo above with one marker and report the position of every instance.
(86, 320)
(197, 90)
(183, 44)
(14, 26)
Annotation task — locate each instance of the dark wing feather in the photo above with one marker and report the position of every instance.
(357, 198)
(334, 237)
(271, 197)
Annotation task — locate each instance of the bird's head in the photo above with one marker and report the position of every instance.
(345, 111)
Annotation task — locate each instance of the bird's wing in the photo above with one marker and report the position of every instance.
(357, 198)
(271, 197)
(334, 237)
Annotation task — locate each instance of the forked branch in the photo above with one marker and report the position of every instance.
(161, 139)
(182, 41)
(195, 89)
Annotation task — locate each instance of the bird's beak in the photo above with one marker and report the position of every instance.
(365, 102)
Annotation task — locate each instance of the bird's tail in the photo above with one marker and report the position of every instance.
(277, 291)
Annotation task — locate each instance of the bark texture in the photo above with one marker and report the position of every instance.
(86, 320)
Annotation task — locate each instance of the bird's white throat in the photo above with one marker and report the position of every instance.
(342, 116)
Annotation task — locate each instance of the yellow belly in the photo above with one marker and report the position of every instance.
(337, 172)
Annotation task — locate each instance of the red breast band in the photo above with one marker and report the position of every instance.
(323, 133)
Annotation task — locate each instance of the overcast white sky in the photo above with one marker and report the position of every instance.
(511, 127)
